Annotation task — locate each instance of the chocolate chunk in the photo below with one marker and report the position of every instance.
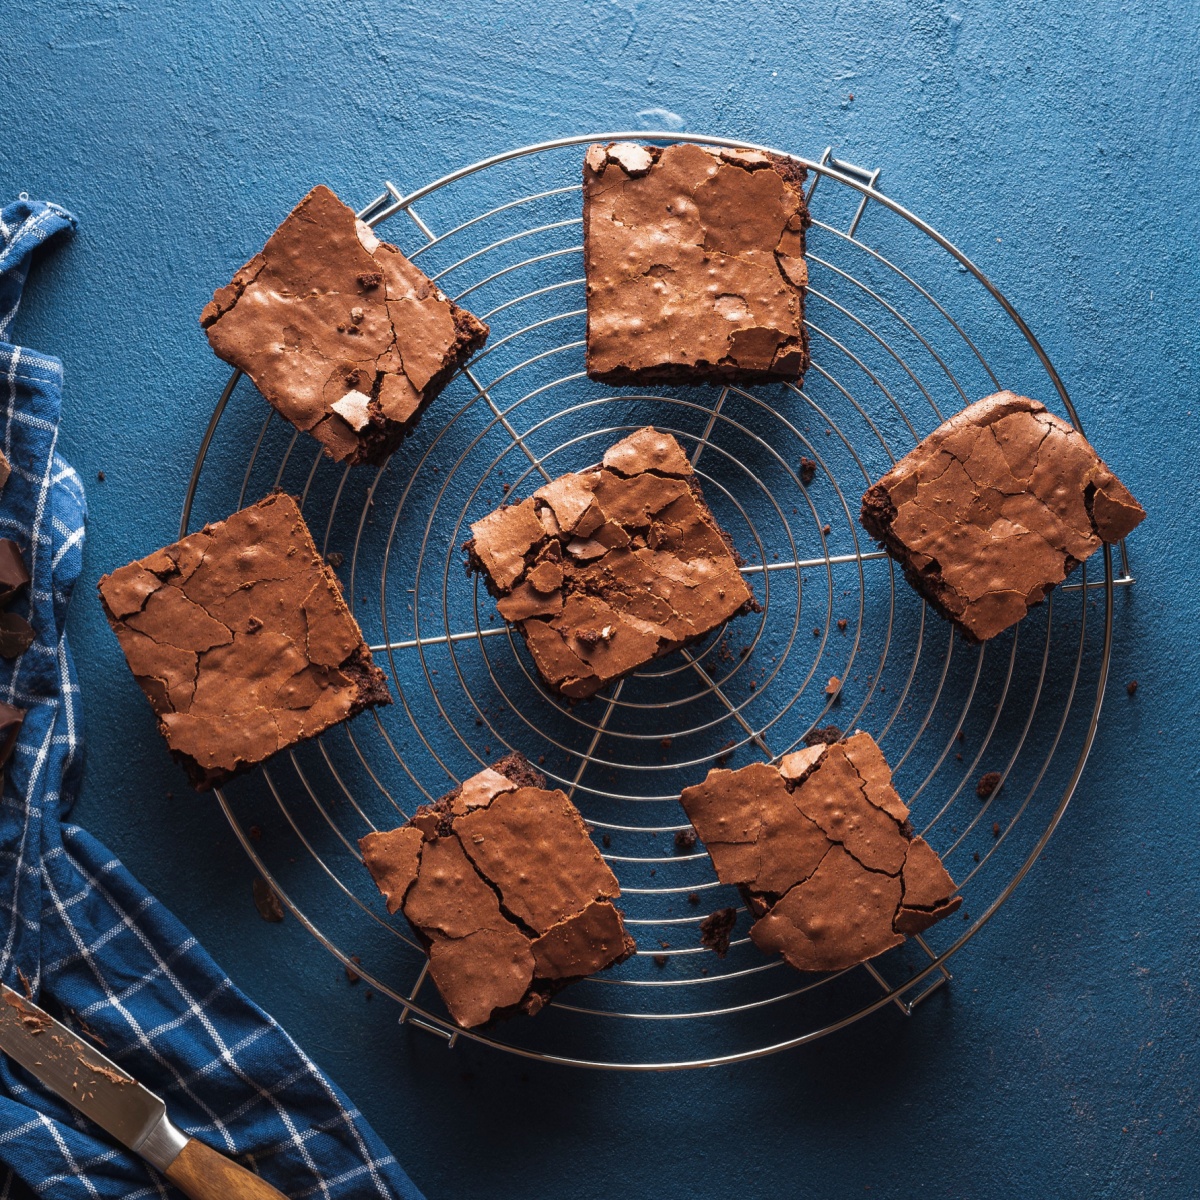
(240, 638)
(716, 928)
(269, 906)
(14, 575)
(10, 727)
(823, 736)
(695, 264)
(987, 784)
(324, 299)
(994, 509)
(605, 570)
(503, 886)
(685, 841)
(821, 849)
(16, 635)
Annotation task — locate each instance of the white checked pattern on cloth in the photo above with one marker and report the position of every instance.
(96, 949)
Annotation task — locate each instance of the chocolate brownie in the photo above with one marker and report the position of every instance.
(240, 639)
(993, 509)
(346, 338)
(695, 264)
(502, 884)
(604, 570)
(822, 852)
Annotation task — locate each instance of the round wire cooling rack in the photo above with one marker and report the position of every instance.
(904, 329)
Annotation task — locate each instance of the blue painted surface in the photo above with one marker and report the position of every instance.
(1057, 148)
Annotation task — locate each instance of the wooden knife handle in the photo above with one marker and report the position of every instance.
(203, 1174)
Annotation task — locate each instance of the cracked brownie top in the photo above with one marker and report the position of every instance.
(821, 849)
(344, 336)
(695, 264)
(993, 509)
(603, 571)
(505, 888)
(240, 639)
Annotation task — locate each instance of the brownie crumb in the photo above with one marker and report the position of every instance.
(606, 840)
(715, 930)
(660, 961)
(842, 624)
(335, 558)
(961, 735)
(665, 744)
(370, 279)
(833, 687)
(995, 829)
(1131, 687)
(808, 470)
(826, 530)
(975, 856)
(816, 631)
(693, 897)
(726, 754)
(685, 840)
(987, 784)
(100, 476)
(352, 976)
(267, 902)
(255, 833)
(825, 736)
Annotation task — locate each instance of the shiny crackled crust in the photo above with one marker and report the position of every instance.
(695, 264)
(821, 849)
(344, 336)
(994, 509)
(505, 889)
(605, 570)
(241, 641)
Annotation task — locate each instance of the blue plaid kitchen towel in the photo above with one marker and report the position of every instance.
(92, 945)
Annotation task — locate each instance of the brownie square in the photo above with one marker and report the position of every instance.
(695, 264)
(603, 571)
(821, 849)
(240, 639)
(340, 332)
(503, 886)
(993, 509)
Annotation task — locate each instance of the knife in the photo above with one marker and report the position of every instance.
(105, 1094)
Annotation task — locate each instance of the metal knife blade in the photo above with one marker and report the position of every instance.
(85, 1079)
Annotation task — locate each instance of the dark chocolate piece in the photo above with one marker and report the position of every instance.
(695, 264)
(11, 719)
(502, 884)
(16, 635)
(685, 841)
(994, 509)
(14, 574)
(987, 784)
(715, 930)
(821, 850)
(345, 337)
(267, 901)
(823, 736)
(240, 638)
(606, 570)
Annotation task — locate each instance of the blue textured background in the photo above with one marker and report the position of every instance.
(1064, 1061)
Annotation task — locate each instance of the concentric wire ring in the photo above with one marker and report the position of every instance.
(903, 329)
